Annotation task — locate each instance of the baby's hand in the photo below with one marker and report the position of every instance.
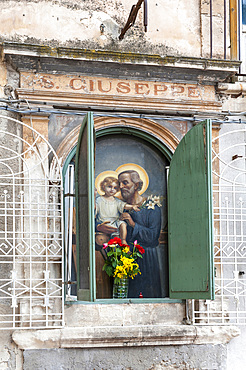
(136, 208)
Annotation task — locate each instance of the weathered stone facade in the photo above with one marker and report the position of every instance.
(56, 56)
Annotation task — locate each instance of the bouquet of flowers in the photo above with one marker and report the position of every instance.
(120, 260)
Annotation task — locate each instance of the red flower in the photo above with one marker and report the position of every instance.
(115, 241)
(140, 249)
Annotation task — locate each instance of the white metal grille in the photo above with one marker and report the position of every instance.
(229, 196)
(31, 235)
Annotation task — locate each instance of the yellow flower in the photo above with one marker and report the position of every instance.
(120, 272)
(126, 268)
(128, 263)
(133, 274)
(126, 250)
(126, 260)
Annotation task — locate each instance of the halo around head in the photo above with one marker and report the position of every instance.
(141, 171)
(101, 177)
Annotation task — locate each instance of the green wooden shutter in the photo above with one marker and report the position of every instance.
(84, 192)
(190, 219)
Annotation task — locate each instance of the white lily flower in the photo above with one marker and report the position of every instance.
(151, 205)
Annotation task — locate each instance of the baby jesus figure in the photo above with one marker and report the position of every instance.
(109, 208)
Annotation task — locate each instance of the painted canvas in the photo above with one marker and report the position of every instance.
(130, 192)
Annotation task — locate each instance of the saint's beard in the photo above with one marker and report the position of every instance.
(128, 193)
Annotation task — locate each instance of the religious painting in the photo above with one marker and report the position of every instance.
(131, 203)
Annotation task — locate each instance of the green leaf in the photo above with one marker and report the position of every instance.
(109, 270)
(116, 280)
(139, 255)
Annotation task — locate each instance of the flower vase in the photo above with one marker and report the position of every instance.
(120, 289)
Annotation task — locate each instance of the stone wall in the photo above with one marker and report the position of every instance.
(176, 28)
(151, 358)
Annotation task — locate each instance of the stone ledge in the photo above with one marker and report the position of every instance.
(123, 336)
(116, 64)
(28, 49)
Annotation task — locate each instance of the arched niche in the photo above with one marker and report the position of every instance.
(148, 129)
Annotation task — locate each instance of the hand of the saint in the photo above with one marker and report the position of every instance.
(136, 208)
(106, 229)
(127, 217)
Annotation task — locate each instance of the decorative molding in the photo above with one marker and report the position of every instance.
(26, 49)
(118, 102)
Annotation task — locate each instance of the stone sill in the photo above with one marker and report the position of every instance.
(123, 336)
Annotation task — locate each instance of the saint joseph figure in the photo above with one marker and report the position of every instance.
(143, 226)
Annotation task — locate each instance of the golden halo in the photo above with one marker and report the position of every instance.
(101, 177)
(141, 171)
